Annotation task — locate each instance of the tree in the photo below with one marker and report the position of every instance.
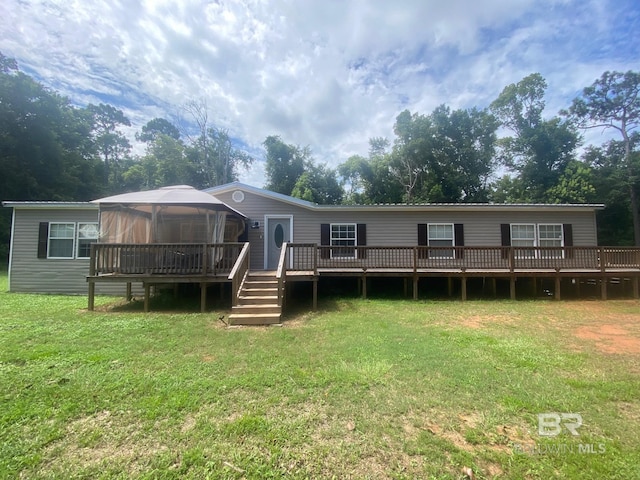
(284, 164)
(318, 184)
(113, 147)
(540, 150)
(155, 127)
(613, 101)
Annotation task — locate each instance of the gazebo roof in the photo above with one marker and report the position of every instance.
(176, 195)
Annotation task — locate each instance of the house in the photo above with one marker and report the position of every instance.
(259, 240)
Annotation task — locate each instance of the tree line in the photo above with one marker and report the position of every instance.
(51, 149)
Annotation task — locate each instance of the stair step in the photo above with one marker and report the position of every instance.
(254, 319)
(259, 292)
(260, 284)
(257, 308)
(258, 299)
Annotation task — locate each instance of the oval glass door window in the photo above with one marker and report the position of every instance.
(278, 235)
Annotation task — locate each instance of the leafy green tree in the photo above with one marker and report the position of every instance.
(112, 145)
(539, 150)
(155, 127)
(284, 164)
(318, 184)
(613, 101)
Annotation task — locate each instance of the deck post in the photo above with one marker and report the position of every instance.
(92, 294)
(147, 294)
(315, 293)
(494, 289)
(450, 286)
(203, 296)
(534, 287)
(557, 288)
(603, 287)
(634, 286)
(415, 287)
(364, 286)
(577, 280)
(128, 294)
(512, 287)
(464, 287)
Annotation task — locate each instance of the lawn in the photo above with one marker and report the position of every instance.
(384, 388)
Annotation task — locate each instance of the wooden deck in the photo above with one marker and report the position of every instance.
(204, 264)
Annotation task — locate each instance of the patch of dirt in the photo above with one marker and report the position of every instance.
(481, 321)
(608, 338)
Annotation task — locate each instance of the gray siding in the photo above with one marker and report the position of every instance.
(40, 275)
(391, 227)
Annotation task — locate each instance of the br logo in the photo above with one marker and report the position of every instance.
(550, 424)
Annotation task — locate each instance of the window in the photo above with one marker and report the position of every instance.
(87, 234)
(61, 238)
(440, 235)
(344, 237)
(547, 235)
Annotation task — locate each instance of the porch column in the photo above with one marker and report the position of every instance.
(92, 294)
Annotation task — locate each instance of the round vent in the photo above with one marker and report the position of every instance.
(238, 196)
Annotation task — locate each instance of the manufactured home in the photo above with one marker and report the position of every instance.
(259, 240)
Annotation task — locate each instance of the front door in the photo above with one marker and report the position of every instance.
(278, 231)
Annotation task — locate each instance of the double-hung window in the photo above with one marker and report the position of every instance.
(343, 240)
(541, 235)
(87, 234)
(61, 240)
(440, 235)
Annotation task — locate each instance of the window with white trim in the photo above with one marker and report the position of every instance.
(61, 240)
(87, 234)
(440, 235)
(540, 235)
(343, 236)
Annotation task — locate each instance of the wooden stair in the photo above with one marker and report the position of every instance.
(257, 301)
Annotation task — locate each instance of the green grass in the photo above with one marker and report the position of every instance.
(362, 389)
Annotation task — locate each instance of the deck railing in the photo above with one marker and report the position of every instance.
(311, 257)
(163, 258)
(239, 273)
(281, 273)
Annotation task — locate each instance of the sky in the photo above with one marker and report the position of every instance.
(327, 74)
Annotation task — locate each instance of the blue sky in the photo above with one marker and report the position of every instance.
(329, 74)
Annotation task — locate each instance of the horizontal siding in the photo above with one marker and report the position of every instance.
(391, 228)
(38, 275)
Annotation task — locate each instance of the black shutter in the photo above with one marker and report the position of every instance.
(43, 239)
(567, 229)
(422, 239)
(362, 239)
(458, 232)
(325, 239)
(505, 234)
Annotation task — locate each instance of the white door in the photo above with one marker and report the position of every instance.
(278, 231)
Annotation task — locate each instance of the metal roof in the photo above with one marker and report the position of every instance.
(57, 205)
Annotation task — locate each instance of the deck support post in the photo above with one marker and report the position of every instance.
(603, 287)
(128, 294)
(147, 294)
(494, 289)
(203, 297)
(315, 293)
(512, 287)
(92, 295)
(534, 287)
(577, 280)
(463, 287)
(557, 288)
(364, 286)
(415, 287)
(450, 286)
(634, 286)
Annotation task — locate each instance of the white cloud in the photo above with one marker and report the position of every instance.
(328, 74)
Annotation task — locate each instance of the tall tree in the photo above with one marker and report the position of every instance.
(155, 127)
(112, 145)
(613, 101)
(284, 164)
(539, 150)
(318, 184)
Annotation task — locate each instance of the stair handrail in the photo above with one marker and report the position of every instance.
(281, 273)
(239, 273)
